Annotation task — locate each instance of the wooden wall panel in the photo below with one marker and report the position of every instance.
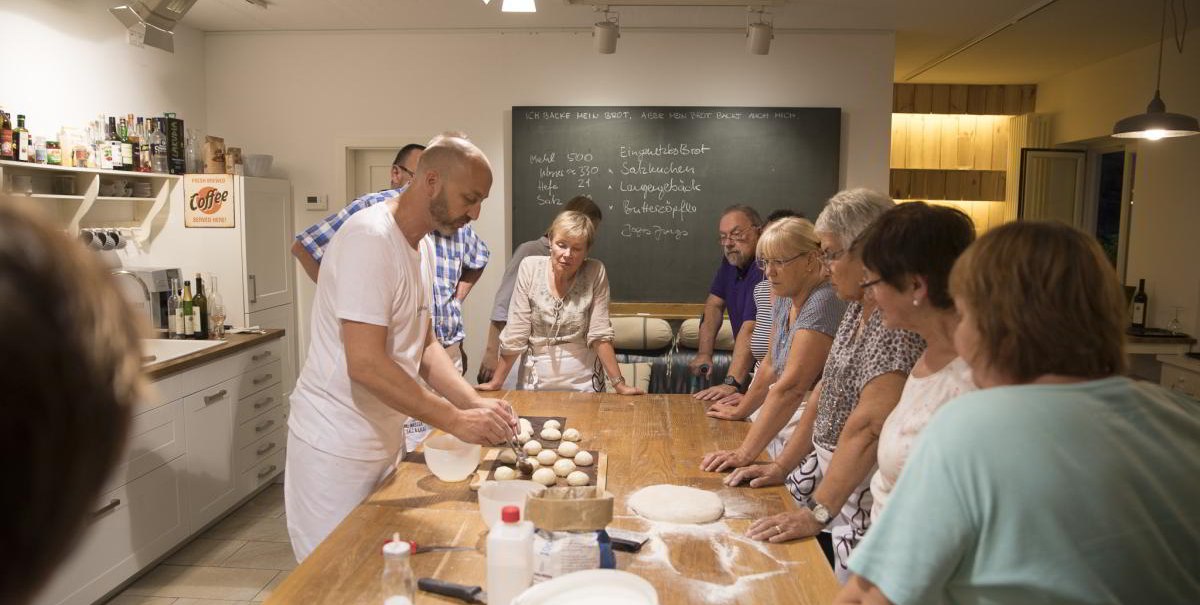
(903, 97)
(978, 99)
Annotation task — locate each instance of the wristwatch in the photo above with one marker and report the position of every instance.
(821, 514)
(731, 381)
(619, 380)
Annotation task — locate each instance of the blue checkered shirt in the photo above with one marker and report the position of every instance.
(454, 254)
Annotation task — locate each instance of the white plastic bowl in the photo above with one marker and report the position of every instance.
(451, 459)
(495, 495)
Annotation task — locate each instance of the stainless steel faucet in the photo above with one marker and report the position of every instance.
(145, 288)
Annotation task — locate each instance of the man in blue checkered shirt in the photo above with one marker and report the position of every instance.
(459, 260)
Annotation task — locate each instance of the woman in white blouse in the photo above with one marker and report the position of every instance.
(558, 317)
(908, 253)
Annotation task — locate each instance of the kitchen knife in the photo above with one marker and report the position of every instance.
(469, 594)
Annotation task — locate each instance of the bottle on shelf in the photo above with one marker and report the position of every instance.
(189, 310)
(144, 142)
(1140, 304)
(113, 143)
(399, 584)
(126, 145)
(6, 137)
(174, 312)
(135, 145)
(158, 147)
(200, 304)
(22, 144)
(509, 557)
(39, 150)
(193, 154)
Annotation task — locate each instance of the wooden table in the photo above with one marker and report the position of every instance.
(650, 439)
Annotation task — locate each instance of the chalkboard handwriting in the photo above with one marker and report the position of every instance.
(662, 150)
(654, 232)
(676, 210)
(648, 167)
(550, 173)
(542, 158)
(660, 189)
(549, 200)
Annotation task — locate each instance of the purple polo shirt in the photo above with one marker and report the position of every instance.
(736, 287)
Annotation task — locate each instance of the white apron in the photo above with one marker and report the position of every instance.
(561, 367)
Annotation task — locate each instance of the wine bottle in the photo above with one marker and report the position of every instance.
(6, 138)
(22, 143)
(174, 312)
(200, 304)
(189, 310)
(1140, 303)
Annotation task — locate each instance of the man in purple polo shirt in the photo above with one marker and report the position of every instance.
(733, 286)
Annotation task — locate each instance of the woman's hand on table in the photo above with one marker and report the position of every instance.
(716, 393)
(785, 526)
(724, 460)
(727, 411)
(758, 475)
(625, 389)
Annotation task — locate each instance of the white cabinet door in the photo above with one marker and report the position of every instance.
(212, 478)
(267, 241)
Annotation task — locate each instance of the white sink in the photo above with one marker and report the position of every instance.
(157, 350)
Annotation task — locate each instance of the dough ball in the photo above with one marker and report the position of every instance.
(525, 436)
(584, 458)
(507, 456)
(567, 449)
(571, 435)
(563, 467)
(578, 478)
(533, 447)
(547, 457)
(505, 473)
(526, 425)
(551, 434)
(545, 476)
(677, 504)
(552, 424)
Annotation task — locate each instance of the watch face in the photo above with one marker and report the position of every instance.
(731, 381)
(821, 514)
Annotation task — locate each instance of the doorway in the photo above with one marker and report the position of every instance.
(1110, 201)
(371, 171)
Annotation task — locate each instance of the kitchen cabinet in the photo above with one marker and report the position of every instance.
(1181, 374)
(266, 207)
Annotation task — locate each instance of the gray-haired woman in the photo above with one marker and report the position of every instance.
(830, 458)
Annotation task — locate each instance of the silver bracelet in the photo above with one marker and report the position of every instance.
(619, 380)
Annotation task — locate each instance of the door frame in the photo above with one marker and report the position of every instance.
(1080, 178)
(344, 150)
(1092, 194)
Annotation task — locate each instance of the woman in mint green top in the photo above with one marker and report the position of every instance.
(1061, 481)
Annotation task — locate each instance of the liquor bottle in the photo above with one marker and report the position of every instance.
(173, 130)
(22, 143)
(6, 138)
(200, 304)
(158, 147)
(174, 312)
(189, 310)
(114, 145)
(126, 145)
(144, 138)
(1140, 303)
(135, 145)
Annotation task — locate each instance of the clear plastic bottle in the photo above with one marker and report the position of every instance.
(399, 584)
(509, 557)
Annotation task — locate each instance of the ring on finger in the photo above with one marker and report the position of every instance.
(778, 530)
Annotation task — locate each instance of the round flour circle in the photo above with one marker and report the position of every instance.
(677, 504)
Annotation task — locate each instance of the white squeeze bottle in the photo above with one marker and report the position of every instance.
(509, 557)
(399, 585)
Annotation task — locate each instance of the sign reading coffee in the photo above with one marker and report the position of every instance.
(208, 201)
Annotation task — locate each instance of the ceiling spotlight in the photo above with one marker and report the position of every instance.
(153, 21)
(518, 6)
(759, 33)
(606, 32)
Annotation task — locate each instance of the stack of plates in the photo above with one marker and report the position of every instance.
(141, 189)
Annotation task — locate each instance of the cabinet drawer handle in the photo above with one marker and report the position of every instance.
(112, 504)
(266, 471)
(215, 396)
(262, 404)
(264, 426)
(260, 356)
(262, 379)
(253, 288)
(264, 449)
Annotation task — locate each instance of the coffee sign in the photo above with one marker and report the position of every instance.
(208, 200)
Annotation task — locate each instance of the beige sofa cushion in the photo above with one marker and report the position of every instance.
(689, 335)
(641, 334)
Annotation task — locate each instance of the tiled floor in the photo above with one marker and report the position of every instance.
(239, 560)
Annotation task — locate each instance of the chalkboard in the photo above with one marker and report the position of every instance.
(662, 176)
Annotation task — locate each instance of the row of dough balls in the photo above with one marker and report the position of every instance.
(551, 431)
(548, 475)
(549, 457)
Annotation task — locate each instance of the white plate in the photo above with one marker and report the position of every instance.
(591, 587)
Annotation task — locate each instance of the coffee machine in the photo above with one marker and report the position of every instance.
(158, 280)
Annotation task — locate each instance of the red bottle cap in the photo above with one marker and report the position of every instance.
(510, 514)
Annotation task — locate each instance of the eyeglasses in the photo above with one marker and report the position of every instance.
(828, 256)
(736, 236)
(868, 284)
(410, 173)
(765, 263)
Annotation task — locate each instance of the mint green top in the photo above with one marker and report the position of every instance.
(1079, 493)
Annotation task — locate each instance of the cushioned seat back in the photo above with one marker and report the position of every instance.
(689, 335)
(641, 334)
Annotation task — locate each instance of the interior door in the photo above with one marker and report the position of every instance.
(267, 207)
(372, 171)
(1052, 185)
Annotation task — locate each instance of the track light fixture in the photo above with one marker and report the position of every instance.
(759, 32)
(606, 32)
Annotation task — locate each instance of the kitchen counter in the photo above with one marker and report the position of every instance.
(649, 440)
(232, 344)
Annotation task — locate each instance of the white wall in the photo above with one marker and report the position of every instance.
(297, 95)
(1163, 245)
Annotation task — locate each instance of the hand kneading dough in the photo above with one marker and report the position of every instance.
(532, 448)
(551, 434)
(567, 449)
(571, 435)
(552, 424)
(584, 458)
(507, 456)
(547, 457)
(677, 504)
(505, 473)
(563, 467)
(578, 478)
(545, 476)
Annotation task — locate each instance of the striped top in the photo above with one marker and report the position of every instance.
(760, 338)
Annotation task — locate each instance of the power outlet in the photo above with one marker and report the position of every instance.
(318, 201)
